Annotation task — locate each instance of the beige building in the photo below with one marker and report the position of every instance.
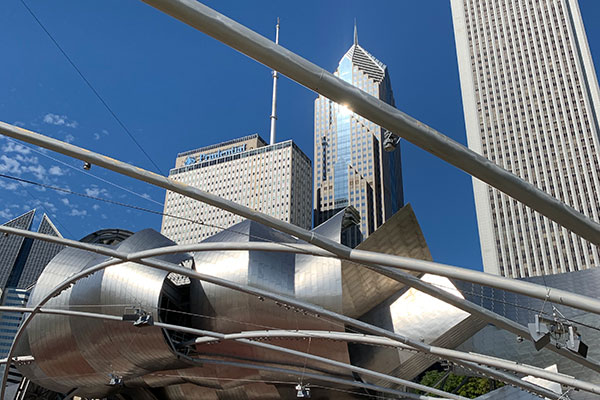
(531, 104)
(273, 179)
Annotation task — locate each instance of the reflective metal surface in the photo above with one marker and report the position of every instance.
(363, 288)
(495, 342)
(75, 352)
(314, 279)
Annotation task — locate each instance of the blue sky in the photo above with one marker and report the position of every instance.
(176, 89)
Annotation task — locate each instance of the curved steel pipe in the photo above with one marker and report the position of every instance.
(368, 258)
(207, 246)
(243, 338)
(300, 248)
(512, 285)
(467, 360)
(362, 385)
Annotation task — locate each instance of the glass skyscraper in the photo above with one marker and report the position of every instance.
(531, 103)
(351, 166)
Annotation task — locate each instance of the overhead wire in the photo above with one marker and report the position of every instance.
(253, 236)
(68, 191)
(158, 213)
(41, 203)
(81, 170)
(198, 222)
(89, 84)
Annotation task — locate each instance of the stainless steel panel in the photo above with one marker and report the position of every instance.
(77, 352)
(363, 288)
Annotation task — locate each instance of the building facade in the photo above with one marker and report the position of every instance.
(351, 166)
(273, 179)
(23, 259)
(531, 103)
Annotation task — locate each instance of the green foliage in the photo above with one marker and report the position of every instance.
(473, 387)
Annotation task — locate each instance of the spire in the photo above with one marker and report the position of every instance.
(274, 104)
(355, 33)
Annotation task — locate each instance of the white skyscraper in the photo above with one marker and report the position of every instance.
(274, 179)
(531, 104)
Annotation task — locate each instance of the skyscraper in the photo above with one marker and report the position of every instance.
(273, 179)
(23, 259)
(531, 104)
(351, 166)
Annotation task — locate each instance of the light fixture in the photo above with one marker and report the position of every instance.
(87, 165)
(144, 320)
(540, 334)
(303, 391)
(390, 141)
(558, 328)
(139, 317)
(575, 344)
(115, 380)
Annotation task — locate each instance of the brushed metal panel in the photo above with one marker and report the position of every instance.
(363, 288)
(522, 309)
(78, 352)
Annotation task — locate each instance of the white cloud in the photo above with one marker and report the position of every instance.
(10, 165)
(96, 207)
(26, 160)
(77, 213)
(20, 164)
(60, 120)
(11, 147)
(50, 206)
(37, 170)
(74, 211)
(8, 185)
(34, 203)
(5, 214)
(69, 138)
(56, 171)
(98, 136)
(95, 191)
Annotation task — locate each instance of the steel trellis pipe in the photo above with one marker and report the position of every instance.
(499, 282)
(216, 336)
(300, 248)
(410, 280)
(296, 248)
(315, 78)
(403, 395)
(468, 360)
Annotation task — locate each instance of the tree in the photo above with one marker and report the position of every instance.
(470, 387)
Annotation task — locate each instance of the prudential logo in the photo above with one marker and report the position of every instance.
(217, 154)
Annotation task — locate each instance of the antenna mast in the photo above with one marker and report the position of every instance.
(274, 105)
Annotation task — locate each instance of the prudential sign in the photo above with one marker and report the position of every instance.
(217, 154)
